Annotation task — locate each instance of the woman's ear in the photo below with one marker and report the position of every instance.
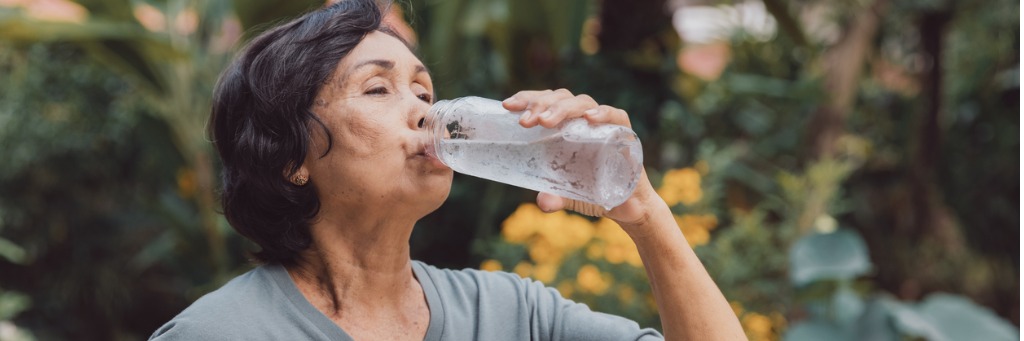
(299, 178)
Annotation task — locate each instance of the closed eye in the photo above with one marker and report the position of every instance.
(377, 91)
(426, 98)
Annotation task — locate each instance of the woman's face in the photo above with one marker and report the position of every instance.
(373, 105)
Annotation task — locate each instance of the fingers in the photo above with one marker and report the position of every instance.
(548, 108)
(607, 115)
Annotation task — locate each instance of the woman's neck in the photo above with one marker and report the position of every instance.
(357, 265)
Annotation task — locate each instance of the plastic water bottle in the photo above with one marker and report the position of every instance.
(599, 164)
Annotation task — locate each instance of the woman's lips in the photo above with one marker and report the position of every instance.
(433, 161)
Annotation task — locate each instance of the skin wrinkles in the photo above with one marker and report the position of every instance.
(373, 184)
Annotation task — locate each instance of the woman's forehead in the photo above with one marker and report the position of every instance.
(381, 50)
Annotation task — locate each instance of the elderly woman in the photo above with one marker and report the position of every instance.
(319, 124)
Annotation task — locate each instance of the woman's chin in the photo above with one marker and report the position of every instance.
(436, 191)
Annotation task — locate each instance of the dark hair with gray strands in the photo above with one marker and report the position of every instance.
(261, 122)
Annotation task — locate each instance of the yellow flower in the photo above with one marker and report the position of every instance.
(591, 280)
(696, 226)
(490, 265)
(696, 236)
(615, 253)
(617, 245)
(681, 186)
(610, 232)
(757, 326)
(522, 224)
(523, 269)
(564, 231)
(542, 252)
(545, 272)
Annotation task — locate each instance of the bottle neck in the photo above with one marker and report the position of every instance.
(436, 127)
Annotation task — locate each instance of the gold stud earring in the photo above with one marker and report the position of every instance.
(300, 180)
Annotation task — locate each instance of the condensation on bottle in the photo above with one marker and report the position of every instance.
(599, 164)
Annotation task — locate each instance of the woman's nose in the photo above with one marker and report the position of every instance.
(419, 114)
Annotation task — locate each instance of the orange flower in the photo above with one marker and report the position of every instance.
(681, 186)
(490, 265)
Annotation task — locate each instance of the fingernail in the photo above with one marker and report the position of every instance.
(545, 114)
(526, 116)
(511, 100)
(591, 112)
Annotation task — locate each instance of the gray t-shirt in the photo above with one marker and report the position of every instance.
(264, 304)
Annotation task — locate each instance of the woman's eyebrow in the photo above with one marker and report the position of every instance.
(380, 63)
(387, 65)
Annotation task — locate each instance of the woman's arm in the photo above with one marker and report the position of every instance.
(690, 304)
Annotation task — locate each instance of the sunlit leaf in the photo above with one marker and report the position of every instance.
(11, 251)
(12, 303)
(21, 28)
(838, 255)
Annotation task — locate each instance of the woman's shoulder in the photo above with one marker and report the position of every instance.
(244, 307)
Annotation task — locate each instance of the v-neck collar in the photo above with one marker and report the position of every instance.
(284, 282)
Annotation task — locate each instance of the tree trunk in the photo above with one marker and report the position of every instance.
(843, 65)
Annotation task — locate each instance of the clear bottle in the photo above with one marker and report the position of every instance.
(599, 164)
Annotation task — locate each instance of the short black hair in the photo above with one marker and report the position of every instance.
(261, 121)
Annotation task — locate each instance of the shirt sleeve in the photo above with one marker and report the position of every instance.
(569, 321)
(498, 305)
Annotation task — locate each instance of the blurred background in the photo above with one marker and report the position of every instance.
(845, 169)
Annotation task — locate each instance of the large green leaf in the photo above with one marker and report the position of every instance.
(946, 317)
(819, 256)
(874, 324)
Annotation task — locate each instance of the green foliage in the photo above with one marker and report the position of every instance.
(108, 225)
(107, 189)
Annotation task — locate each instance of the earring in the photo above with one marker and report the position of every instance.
(300, 180)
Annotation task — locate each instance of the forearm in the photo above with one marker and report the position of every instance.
(690, 304)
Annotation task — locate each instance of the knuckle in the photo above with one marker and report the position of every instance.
(585, 98)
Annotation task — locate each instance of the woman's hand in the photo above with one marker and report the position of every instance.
(690, 305)
(548, 108)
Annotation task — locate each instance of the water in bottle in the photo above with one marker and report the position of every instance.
(599, 164)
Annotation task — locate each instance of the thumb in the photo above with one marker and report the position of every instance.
(550, 202)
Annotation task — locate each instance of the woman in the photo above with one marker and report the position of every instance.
(319, 124)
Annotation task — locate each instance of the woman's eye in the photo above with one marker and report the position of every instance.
(425, 97)
(377, 91)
